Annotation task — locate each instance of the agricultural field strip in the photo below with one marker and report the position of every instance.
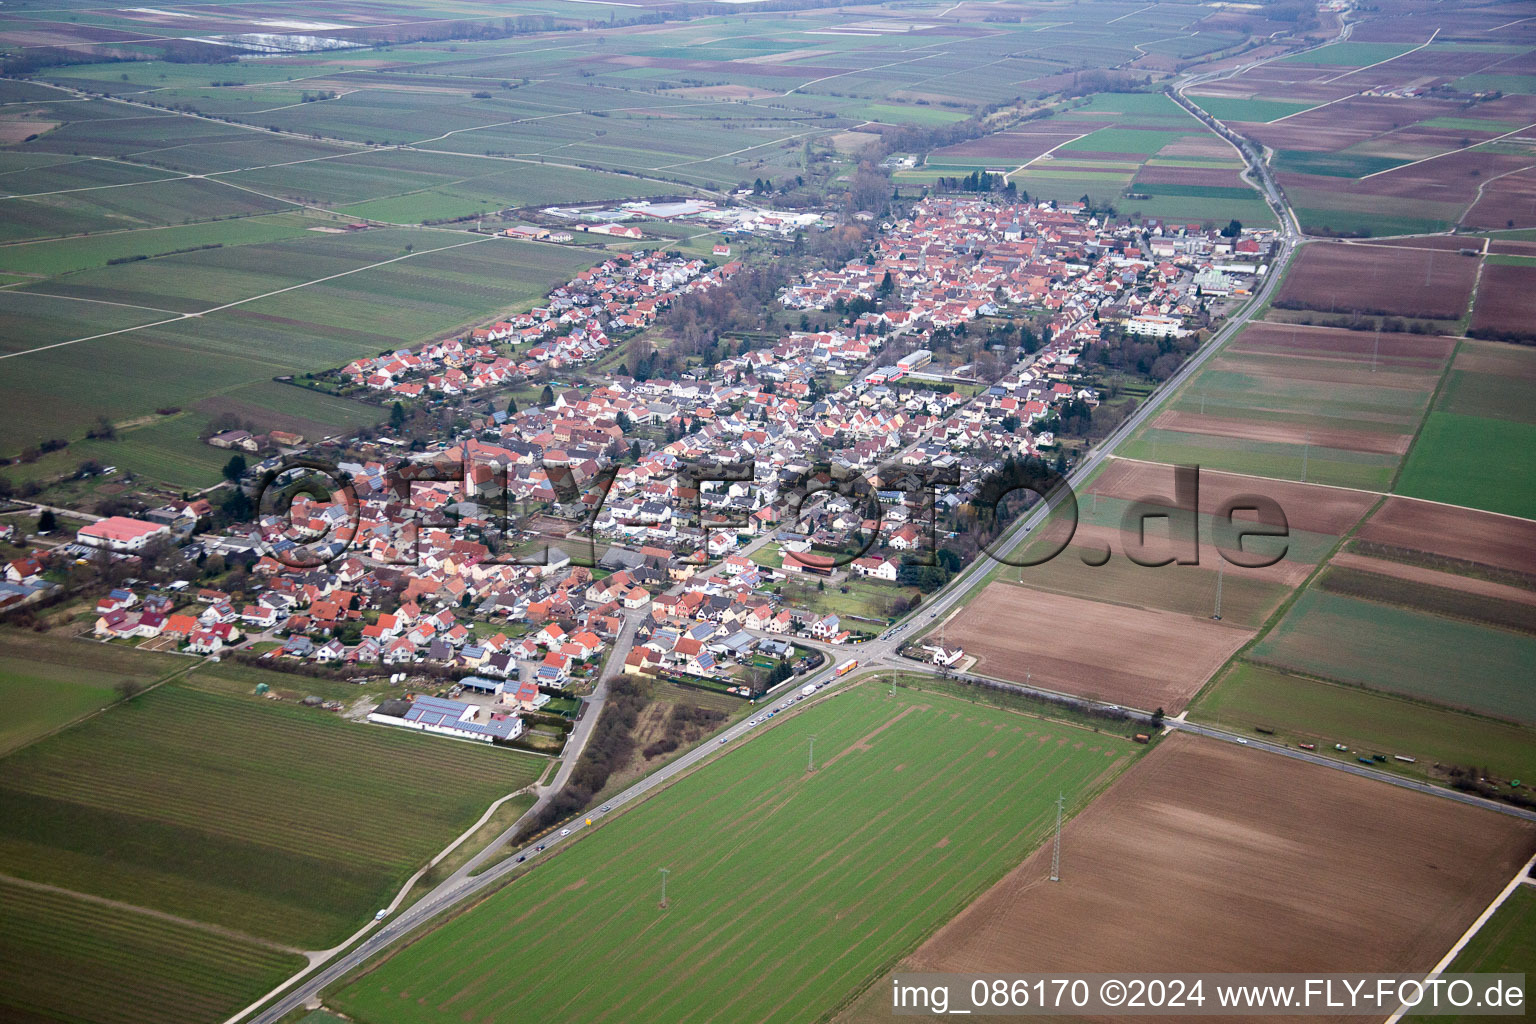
(1259, 743)
(1449, 152)
(1478, 196)
(857, 744)
(251, 298)
(368, 844)
(159, 915)
(1016, 170)
(358, 149)
(1353, 71)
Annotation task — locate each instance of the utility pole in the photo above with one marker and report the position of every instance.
(810, 764)
(1217, 614)
(1056, 851)
(664, 873)
(1305, 446)
(1375, 346)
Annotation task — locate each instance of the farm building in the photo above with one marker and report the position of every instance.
(452, 718)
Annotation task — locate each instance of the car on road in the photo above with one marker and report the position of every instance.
(565, 832)
(536, 849)
(724, 739)
(605, 808)
(381, 915)
(522, 857)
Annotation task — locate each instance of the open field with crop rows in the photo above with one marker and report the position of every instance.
(1402, 650)
(787, 888)
(1340, 407)
(279, 821)
(1306, 710)
(68, 959)
(48, 681)
(1474, 448)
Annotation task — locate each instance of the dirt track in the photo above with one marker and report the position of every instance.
(1211, 857)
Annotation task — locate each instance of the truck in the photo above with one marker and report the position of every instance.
(807, 690)
(846, 667)
(1307, 746)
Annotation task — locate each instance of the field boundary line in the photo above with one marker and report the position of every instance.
(1254, 476)
(1449, 152)
(1389, 60)
(169, 677)
(1434, 397)
(249, 298)
(1283, 609)
(160, 915)
(1467, 936)
(1008, 176)
(1477, 197)
(1309, 110)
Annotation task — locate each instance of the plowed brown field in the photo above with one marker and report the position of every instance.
(1212, 857)
(1309, 507)
(1338, 277)
(1138, 657)
(1483, 537)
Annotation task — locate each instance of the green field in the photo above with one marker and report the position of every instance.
(1349, 54)
(808, 884)
(1342, 164)
(1120, 140)
(1418, 655)
(1506, 943)
(41, 698)
(1332, 422)
(1324, 211)
(279, 821)
(1475, 461)
(1474, 448)
(48, 682)
(68, 960)
(1302, 709)
(61, 256)
(311, 327)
